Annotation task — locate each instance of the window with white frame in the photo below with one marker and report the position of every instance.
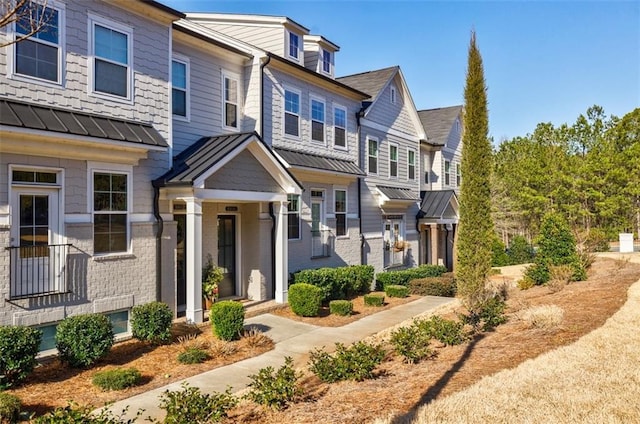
(111, 191)
(317, 120)
(339, 127)
(411, 164)
(231, 84)
(341, 212)
(40, 55)
(393, 94)
(293, 216)
(447, 170)
(294, 45)
(291, 113)
(110, 51)
(180, 84)
(458, 175)
(393, 161)
(326, 61)
(372, 153)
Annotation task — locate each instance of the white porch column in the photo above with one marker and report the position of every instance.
(194, 260)
(282, 252)
(434, 244)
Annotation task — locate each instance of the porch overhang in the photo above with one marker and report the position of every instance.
(438, 207)
(317, 168)
(395, 197)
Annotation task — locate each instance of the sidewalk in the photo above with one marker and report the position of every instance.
(292, 338)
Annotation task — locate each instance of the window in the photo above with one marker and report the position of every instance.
(341, 212)
(119, 322)
(393, 161)
(447, 169)
(48, 340)
(179, 92)
(411, 164)
(294, 45)
(291, 113)
(40, 55)
(393, 95)
(110, 212)
(230, 101)
(111, 55)
(326, 61)
(373, 156)
(317, 120)
(458, 175)
(293, 216)
(339, 127)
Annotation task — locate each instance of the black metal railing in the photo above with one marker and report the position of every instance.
(37, 270)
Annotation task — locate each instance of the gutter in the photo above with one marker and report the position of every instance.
(160, 222)
(262, 66)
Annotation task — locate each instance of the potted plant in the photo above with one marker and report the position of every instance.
(211, 276)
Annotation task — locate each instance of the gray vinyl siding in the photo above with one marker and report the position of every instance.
(244, 173)
(251, 116)
(269, 38)
(392, 115)
(205, 97)
(452, 152)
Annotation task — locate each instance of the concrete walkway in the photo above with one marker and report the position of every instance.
(292, 338)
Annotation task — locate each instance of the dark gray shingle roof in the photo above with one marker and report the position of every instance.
(38, 117)
(395, 193)
(435, 203)
(308, 160)
(371, 82)
(437, 123)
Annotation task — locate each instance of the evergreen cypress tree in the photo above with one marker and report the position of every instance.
(475, 232)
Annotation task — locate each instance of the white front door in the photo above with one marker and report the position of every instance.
(394, 242)
(318, 233)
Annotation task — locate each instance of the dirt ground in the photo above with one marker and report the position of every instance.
(399, 387)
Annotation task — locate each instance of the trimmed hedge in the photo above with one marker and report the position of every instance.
(434, 286)
(10, 408)
(117, 378)
(338, 283)
(83, 339)
(227, 319)
(151, 322)
(393, 290)
(18, 350)
(305, 299)
(374, 299)
(341, 307)
(403, 277)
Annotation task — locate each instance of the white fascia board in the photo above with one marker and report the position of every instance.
(238, 196)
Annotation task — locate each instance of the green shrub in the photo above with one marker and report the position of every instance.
(83, 339)
(18, 349)
(10, 408)
(393, 290)
(403, 277)
(447, 332)
(434, 286)
(74, 414)
(597, 240)
(374, 299)
(305, 299)
(275, 389)
(525, 283)
(193, 355)
(227, 318)
(520, 251)
(117, 379)
(341, 307)
(499, 256)
(338, 283)
(412, 343)
(356, 362)
(488, 316)
(151, 322)
(189, 405)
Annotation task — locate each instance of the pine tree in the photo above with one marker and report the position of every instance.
(476, 226)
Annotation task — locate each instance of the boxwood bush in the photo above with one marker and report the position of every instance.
(374, 299)
(341, 307)
(190, 405)
(151, 322)
(338, 283)
(227, 319)
(434, 286)
(193, 355)
(446, 331)
(356, 362)
(394, 290)
(403, 277)
(10, 408)
(18, 350)
(305, 299)
(117, 378)
(83, 339)
(412, 343)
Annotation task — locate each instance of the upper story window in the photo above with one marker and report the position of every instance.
(230, 101)
(458, 175)
(341, 212)
(339, 127)
(39, 55)
(317, 120)
(447, 170)
(326, 61)
(293, 216)
(292, 113)
(180, 87)
(411, 164)
(111, 191)
(393, 161)
(294, 46)
(393, 95)
(110, 51)
(372, 153)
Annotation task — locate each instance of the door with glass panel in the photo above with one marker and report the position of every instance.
(318, 233)
(227, 254)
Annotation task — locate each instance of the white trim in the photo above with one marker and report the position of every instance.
(232, 77)
(91, 57)
(397, 161)
(321, 61)
(142, 218)
(372, 236)
(446, 181)
(187, 90)
(237, 196)
(286, 88)
(393, 94)
(369, 139)
(238, 275)
(298, 212)
(415, 164)
(77, 218)
(345, 213)
(337, 106)
(318, 99)
(287, 53)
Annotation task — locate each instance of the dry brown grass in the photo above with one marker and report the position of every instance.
(544, 316)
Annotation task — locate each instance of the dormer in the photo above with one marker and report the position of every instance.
(320, 55)
(294, 42)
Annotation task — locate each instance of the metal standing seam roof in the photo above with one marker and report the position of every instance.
(371, 82)
(38, 117)
(438, 123)
(435, 203)
(395, 193)
(308, 160)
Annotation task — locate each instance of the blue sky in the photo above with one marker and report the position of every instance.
(543, 61)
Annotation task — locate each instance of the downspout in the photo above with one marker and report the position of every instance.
(262, 66)
(363, 260)
(160, 222)
(271, 214)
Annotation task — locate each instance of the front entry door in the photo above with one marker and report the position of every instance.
(227, 254)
